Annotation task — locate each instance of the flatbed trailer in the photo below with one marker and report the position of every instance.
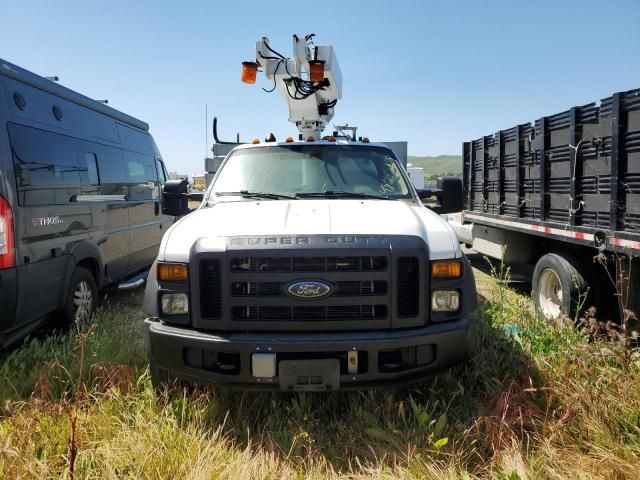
(562, 194)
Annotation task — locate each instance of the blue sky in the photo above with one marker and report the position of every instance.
(434, 73)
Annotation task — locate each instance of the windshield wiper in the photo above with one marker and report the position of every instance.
(340, 194)
(248, 194)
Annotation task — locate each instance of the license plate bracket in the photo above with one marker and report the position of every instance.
(316, 375)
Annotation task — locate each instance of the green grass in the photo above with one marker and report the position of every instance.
(440, 165)
(537, 401)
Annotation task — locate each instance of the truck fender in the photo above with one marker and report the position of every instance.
(150, 305)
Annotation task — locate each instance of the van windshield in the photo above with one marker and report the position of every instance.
(305, 171)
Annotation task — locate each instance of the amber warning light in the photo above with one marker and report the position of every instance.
(249, 72)
(316, 70)
(172, 272)
(446, 269)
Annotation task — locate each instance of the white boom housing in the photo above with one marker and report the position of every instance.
(311, 104)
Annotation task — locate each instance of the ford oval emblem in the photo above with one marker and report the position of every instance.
(309, 289)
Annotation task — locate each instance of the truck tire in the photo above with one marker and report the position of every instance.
(557, 286)
(81, 300)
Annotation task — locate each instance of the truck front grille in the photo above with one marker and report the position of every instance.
(258, 289)
(372, 289)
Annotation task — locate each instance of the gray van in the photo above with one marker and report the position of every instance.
(80, 201)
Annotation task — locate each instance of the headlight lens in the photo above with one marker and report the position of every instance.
(175, 303)
(445, 301)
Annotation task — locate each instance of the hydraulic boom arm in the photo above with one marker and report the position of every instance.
(310, 82)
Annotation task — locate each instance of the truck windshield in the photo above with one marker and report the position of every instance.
(305, 171)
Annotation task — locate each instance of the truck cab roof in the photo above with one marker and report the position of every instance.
(338, 142)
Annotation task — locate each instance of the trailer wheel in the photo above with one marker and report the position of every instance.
(557, 286)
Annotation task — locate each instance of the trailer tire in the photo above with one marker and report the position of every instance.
(558, 286)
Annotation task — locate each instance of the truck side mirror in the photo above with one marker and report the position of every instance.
(448, 191)
(450, 197)
(175, 199)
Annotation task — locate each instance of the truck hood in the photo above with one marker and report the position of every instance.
(308, 217)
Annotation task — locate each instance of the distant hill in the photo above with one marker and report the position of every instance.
(440, 165)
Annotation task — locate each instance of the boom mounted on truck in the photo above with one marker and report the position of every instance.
(310, 82)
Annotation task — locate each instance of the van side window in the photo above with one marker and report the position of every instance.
(113, 178)
(162, 175)
(46, 165)
(135, 140)
(143, 179)
(43, 158)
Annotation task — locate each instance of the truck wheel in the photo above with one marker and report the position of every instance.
(81, 298)
(557, 286)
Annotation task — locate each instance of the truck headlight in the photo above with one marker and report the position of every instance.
(445, 301)
(174, 303)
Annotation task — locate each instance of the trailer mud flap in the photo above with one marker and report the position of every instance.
(309, 375)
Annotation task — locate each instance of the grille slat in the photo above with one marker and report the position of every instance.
(277, 289)
(308, 264)
(319, 313)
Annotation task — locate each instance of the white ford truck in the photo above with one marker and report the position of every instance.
(309, 265)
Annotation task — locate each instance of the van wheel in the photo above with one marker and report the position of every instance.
(557, 287)
(81, 297)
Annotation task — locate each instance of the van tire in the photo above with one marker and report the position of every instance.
(81, 297)
(558, 287)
